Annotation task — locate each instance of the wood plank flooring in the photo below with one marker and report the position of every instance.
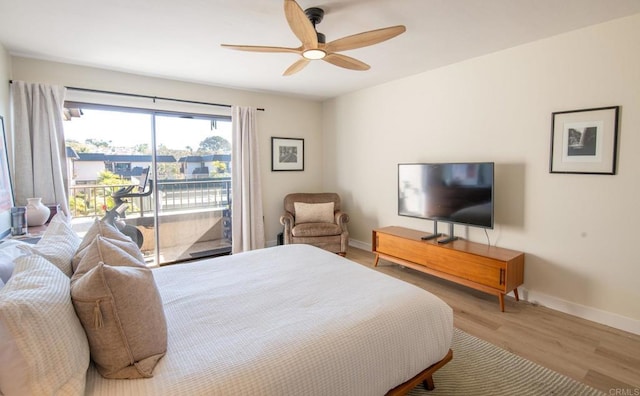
(600, 356)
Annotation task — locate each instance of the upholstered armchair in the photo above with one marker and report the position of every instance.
(315, 219)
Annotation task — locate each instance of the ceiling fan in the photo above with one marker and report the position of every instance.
(313, 47)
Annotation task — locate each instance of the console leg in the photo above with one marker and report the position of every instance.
(515, 293)
(501, 299)
(375, 261)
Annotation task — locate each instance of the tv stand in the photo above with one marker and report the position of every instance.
(486, 268)
(451, 237)
(435, 234)
(431, 236)
(447, 240)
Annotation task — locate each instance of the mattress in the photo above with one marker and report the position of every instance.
(288, 320)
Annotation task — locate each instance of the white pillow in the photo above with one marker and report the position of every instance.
(9, 251)
(314, 212)
(43, 347)
(58, 244)
(1, 284)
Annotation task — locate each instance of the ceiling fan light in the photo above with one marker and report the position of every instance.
(314, 54)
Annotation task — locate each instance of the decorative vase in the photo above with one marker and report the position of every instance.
(37, 212)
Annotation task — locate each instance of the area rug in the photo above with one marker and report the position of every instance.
(479, 368)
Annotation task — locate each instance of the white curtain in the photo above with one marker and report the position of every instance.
(39, 148)
(246, 210)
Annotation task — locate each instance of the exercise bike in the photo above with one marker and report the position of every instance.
(115, 215)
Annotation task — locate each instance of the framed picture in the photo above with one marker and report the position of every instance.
(6, 190)
(585, 141)
(287, 154)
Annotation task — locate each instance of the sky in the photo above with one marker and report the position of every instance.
(129, 129)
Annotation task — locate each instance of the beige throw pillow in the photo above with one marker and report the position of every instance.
(58, 244)
(121, 312)
(104, 229)
(109, 251)
(313, 213)
(43, 347)
(99, 228)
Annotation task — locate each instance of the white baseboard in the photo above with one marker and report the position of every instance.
(360, 245)
(270, 243)
(582, 311)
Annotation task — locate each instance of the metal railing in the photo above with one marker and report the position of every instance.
(203, 193)
(93, 200)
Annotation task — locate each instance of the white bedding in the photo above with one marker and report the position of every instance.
(289, 320)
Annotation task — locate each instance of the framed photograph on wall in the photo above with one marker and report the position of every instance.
(585, 141)
(287, 154)
(6, 190)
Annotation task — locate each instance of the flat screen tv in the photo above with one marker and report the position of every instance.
(455, 193)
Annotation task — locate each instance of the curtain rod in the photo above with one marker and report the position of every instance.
(147, 96)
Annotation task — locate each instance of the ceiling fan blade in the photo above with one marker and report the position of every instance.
(261, 48)
(296, 67)
(364, 39)
(346, 61)
(300, 24)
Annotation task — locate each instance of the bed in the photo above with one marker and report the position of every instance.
(288, 320)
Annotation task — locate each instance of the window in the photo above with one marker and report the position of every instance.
(187, 214)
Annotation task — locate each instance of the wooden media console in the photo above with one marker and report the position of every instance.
(486, 268)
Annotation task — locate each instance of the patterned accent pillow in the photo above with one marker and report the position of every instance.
(313, 213)
(122, 314)
(43, 348)
(108, 251)
(58, 244)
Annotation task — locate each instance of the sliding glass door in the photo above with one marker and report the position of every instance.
(184, 211)
(194, 192)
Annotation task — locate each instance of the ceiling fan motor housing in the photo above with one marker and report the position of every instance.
(315, 15)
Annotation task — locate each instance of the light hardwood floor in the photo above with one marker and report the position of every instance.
(600, 356)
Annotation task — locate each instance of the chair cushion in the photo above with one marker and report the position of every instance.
(313, 212)
(316, 230)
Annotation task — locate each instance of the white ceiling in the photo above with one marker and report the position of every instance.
(181, 39)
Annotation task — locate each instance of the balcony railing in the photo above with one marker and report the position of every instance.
(93, 200)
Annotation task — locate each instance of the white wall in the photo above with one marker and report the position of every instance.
(283, 117)
(87, 171)
(579, 232)
(5, 76)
